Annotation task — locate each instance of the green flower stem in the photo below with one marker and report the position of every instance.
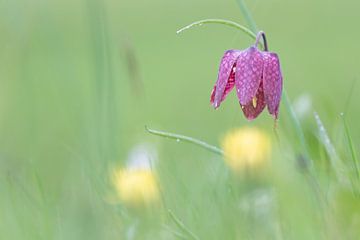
(179, 137)
(222, 22)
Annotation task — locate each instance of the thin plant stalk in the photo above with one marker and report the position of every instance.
(222, 22)
(179, 137)
(335, 161)
(219, 21)
(248, 17)
(297, 126)
(351, 146)
(182, 226)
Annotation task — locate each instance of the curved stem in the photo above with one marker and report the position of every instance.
(261, 34)
(220, 21)
(179, 137)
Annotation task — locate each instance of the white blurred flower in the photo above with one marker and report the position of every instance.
(303, 105)
(142, 156)
(260, 201)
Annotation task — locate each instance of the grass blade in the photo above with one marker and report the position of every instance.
(182, 226)
(297, 126)
(222, 22)
(330, 149)
(179, 137)
(351, 147)
(248, 17)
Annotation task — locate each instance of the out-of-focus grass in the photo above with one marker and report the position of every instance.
(69, 114)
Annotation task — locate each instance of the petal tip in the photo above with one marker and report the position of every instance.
(215, 105)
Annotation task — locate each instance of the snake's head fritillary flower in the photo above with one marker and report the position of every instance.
(257, 77)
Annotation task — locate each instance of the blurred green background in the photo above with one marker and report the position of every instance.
(79, 80)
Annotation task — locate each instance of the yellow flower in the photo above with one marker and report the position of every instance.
(136, 187)
(246, 148)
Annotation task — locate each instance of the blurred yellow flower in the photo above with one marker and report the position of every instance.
(136, 187)
(246, 148)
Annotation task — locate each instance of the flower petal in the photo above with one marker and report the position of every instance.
(254, 107)
(229, 86)
(272, 80)
(226, 77)
(248, 74)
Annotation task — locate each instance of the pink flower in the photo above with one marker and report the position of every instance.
(257, 77)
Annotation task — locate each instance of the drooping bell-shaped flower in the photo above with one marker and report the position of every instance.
(257, 77)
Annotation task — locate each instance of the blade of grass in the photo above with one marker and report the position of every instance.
(335, 161)
(349, 96)
(222, 22)
(176, 233)
(351, 147)
(40, 186)
(219, 21)
(182, 226)
(248, 17)
(297, 125)
(179, 137)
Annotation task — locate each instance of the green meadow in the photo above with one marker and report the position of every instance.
(82, 82)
